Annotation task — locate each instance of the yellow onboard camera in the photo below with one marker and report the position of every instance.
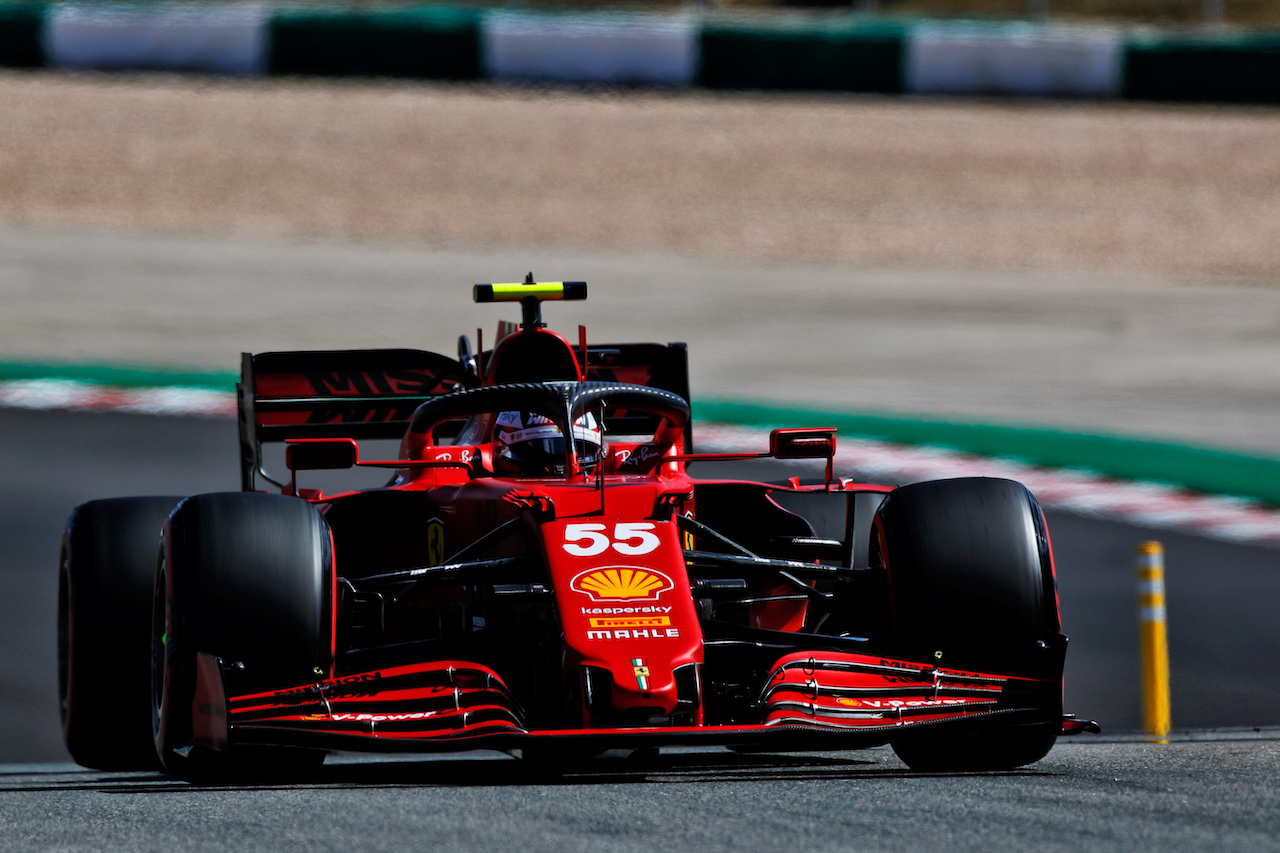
(530, 294)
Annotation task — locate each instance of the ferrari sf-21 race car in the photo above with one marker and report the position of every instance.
(543, 575)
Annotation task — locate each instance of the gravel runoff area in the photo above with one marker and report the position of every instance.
(939, 183)
(1109, 267)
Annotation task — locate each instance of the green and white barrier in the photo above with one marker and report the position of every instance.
(1014, 59)
(20, 27)
(608, 47)
(433, 42)
(850, 55)
(843, 53)
(1226, 67)
(225, 38)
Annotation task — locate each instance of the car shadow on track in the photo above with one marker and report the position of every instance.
(700, 768)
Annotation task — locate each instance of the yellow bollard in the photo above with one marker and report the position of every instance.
(1153, 641)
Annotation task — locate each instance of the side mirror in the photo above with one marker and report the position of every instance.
(810, 443)
(320, 454)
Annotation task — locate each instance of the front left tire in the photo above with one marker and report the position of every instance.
(971, 578)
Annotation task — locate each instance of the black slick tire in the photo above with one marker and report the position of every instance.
(105, 578)
(972, 588)
(247, 579)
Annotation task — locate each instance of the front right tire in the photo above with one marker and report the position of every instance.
(105, 578)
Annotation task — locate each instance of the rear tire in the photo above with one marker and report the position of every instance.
(105, 578)
(972, 586)
(247, 578)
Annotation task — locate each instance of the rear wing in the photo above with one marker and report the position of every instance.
(655, 365)
(368, 394)
(333, 393)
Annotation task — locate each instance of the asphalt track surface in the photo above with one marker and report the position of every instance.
(1210, 789)
(1210, 795)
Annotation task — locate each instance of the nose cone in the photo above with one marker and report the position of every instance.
(628, 617)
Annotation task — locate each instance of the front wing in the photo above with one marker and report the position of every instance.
(822, 699)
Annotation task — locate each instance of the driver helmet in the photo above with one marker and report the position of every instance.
(530, 444)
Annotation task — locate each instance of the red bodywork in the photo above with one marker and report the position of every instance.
(474, 610)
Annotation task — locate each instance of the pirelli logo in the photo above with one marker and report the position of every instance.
(630, 621)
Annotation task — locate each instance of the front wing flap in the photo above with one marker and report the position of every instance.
(810, 700)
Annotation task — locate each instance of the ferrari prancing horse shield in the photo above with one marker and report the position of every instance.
(435, 542)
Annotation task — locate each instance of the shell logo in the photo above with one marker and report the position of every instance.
(621, 583)
(848, 703)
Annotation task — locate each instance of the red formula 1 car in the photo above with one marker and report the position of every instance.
(542, 574)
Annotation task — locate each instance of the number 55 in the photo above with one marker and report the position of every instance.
(631, 538)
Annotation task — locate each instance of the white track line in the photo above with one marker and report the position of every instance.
(1148, 504)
